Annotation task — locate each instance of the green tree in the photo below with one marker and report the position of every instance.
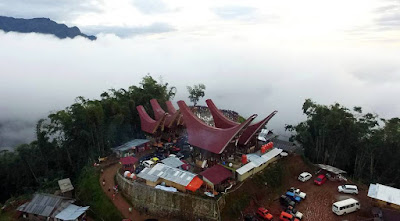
(362, 144)
(196, 92)
(69, 139)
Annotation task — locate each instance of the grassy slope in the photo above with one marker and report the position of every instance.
(89, 192)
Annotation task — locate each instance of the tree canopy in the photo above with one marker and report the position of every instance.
(363, 144)
(196, 92)
(69, 139)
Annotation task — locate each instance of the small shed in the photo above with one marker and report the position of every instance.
(128, 163)
(72, 213)
(257, 163)
(385, 195)
(66, 187)
(132, 147)
(44, 206)
(216, 175)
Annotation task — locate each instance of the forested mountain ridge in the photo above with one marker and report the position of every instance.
(364, 145)
(40, 25)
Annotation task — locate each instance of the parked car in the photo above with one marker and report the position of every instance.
(294, 212)
(185, 166)
(303, 177)
(377, 214)
(264, 213)
(155, 159)
(139, 169)
(250, 217)
(321, 179)
(148, 163)
(352, 189)
(293, 196)
(180, 156)
(144, 158)
(345, 206)
(175, 149)
(297, 192)
(286, 201)
(288, 217)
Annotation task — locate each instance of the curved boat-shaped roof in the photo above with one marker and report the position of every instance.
(221, 121)
(172, 111)
(170, 119)
(206, 137)
(148, 124)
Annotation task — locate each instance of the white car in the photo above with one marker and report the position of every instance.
(348, 189)
(297, 192)
(148, 163)
(303, 177)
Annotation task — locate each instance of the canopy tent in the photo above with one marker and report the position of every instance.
(128, 160)
(331, 169)
(195, 184)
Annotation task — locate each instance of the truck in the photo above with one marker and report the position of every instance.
(297, 192)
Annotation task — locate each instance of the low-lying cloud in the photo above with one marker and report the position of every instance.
(129, 31)
(40, 74)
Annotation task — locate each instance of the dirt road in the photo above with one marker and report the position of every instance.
(119, 201)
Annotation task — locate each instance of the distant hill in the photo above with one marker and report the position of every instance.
(40, 25)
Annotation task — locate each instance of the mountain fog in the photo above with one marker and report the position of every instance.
(40, 74)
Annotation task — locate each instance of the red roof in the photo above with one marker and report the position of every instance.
(221, 121)
(128, 160)
(170, 119)
(216, 174)
(206, 137)
(148, 124)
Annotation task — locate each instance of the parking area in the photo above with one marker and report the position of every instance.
(319, 199)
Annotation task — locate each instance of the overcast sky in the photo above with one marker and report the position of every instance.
(253, 56)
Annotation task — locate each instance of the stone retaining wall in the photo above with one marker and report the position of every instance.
(168, 204)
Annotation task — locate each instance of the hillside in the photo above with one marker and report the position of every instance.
(41, 25)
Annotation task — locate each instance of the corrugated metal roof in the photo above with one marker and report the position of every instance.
(255, 159)
(44, 204)
(271, 154)
(130, 144)
(331, 169)
(285, 145)
(168, 173)
(246, 168)
(172, 161)
(384, 193)
(72, 212)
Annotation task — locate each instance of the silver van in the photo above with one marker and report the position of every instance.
(352, 189)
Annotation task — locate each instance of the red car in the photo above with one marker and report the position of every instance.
(264, 213)
(288, 217)
(321, 179)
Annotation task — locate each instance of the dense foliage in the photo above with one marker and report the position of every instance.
(90, 193)
(72, 138)
(364, 145)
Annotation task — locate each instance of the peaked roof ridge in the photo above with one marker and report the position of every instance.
(206, 137)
